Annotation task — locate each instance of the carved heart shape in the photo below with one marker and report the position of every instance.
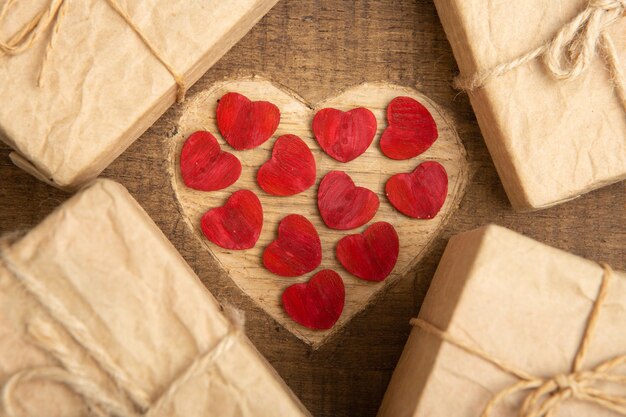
(344, 135)
(291, 169)
(411, 130)
(245, 124)
(318, 303)
(421, 193)
(370, 170)
(237, 225)
(204, 166)
(371, 255)
(342, 204)
(297, 250)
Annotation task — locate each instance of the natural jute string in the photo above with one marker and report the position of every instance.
(124, 398)
(34, 29)
(571, 51)
(545, 396)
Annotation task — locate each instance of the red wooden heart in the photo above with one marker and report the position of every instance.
(237, 224)
(411, 129)
(421, 193)
(204, 166)
(344, 135)
(371, 255)
(246, 124)
(343, 205)
(318, 303)
(296, 251)
(291, 169)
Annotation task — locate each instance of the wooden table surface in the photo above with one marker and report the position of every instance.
(317, 47)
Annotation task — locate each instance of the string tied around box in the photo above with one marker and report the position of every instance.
(49, 20)
(108, 390)
(570, 53)
(545, 396)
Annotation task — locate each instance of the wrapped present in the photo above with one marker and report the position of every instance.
(512, 327)
(546, 80)
(81, 80)
(99, 315)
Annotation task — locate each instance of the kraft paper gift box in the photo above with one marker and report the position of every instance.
(101, 87)
(551, 139)
(99, 315)
(527, 307)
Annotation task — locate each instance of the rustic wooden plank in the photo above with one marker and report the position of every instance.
(317, 47)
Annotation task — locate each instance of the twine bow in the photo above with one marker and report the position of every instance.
(74, 370)
(545, 396)
(50, 19)
(570, 53)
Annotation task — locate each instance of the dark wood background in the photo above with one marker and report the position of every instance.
(317, 47)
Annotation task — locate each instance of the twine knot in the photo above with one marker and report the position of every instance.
(550, 394)
(545, 396)
(567, 382)
(575, 46)
(570, 53)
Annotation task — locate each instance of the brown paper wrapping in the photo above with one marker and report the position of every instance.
(550, 140)
(108, 264)
(520, 301)
(102, 87)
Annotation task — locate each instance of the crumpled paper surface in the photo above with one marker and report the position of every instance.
(102, 87)
(110, 266)
(550, 140)
(519, 300)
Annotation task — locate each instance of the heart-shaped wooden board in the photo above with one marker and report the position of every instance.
(370, 170)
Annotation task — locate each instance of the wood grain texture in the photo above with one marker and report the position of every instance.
(318, 47)
(370, 170)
